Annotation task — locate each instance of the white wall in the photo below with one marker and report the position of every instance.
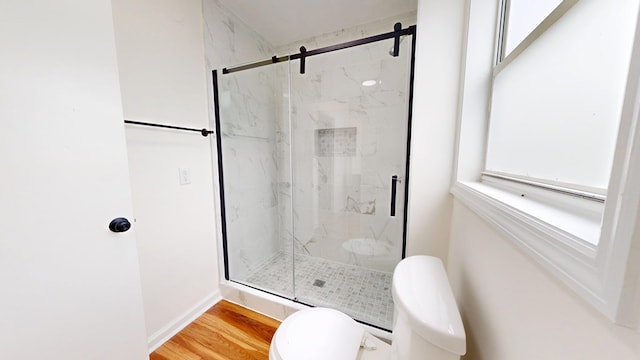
(511, 309)
(438, 54)
(163, 77)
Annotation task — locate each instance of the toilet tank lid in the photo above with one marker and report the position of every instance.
(421, 290)
(318, 334)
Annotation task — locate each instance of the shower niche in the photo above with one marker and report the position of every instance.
(336, 142)
(310, 166)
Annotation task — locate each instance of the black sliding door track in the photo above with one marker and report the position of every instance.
(304, 53)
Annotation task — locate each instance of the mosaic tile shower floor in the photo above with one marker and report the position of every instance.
(362, 293)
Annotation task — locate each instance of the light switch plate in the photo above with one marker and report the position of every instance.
(185, 176)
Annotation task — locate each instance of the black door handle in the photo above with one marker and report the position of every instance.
(394, 183)
(119, 225)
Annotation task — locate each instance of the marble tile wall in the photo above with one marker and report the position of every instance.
(249, 108)
(228, 40)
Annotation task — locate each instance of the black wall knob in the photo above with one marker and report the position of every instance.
(119, 225)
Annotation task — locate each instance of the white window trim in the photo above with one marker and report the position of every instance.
(606, 276)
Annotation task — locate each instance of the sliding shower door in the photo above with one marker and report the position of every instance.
(254, 148)
(349, 149)
(313, 175)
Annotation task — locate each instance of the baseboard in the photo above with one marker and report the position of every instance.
(161, 336)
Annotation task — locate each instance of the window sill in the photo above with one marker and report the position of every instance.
(560, 240)
(572, 221)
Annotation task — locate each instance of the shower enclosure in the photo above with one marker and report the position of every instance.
(313, 164)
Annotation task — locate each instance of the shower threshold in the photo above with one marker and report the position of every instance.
(362, 293)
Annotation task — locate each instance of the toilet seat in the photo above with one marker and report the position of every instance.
(317, 334)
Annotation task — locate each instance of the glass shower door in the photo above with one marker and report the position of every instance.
(313, 170)
(253, 141)
(349, 120)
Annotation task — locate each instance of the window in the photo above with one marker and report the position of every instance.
(520, 18)
(522, 21)
(553, 162)
(555, 108)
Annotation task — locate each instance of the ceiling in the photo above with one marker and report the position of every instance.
(282, 22)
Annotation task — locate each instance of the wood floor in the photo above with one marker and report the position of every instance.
(225, 332)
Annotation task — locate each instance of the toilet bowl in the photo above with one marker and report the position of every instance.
(322, 334)
(426, 325)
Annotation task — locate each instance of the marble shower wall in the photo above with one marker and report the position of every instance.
(250, 110)
(348, 140)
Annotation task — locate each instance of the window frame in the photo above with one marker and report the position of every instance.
(503, 22)
(607, 276)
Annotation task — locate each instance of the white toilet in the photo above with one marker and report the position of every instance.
(426, 323)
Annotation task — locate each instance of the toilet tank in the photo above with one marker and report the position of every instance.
(427, 323)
